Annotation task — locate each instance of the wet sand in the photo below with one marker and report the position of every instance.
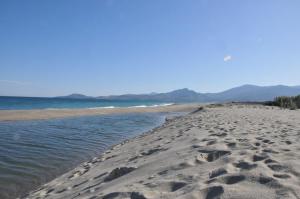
(13, 115)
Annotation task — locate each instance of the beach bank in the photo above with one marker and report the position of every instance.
(228, 151)
(37, 114)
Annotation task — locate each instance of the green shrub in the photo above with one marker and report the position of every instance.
(297, 101)
(287, 102)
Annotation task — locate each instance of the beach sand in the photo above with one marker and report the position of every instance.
(38, 114)
(228, 151)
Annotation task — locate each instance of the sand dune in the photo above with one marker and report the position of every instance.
(230, 151)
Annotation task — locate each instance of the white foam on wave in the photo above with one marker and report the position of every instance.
(139, 106)
(103, 107)
(112, 107)
(166, 104)
(155, 105)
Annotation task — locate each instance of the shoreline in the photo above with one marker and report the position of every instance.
(166, 121)
(42, 114)
(222, 151)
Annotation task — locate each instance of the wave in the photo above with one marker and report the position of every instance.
(112, 107)
(155, 105)
(137, 106)
(103, 107)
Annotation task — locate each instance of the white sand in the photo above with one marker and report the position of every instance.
(239, 151)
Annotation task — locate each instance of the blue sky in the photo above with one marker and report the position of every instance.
(102, 47)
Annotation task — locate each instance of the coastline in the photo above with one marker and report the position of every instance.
(42, 114)
(56, 146)
(81, 168)
(220, 151)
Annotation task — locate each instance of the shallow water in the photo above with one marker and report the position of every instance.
(34, 152)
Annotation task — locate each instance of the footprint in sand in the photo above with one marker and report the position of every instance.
(288, 142)
(171, 186)
(61, 191)
(79, 184)
(281, 176)
(270, 161)
(259, 157)
(162, 173)
(122, 195)
(231, 144)
(228, 179)
(277, 167)
(217, 172)
(152, 151)
(99, 176)
(268, 181)
(219, 134)
(245, 165)
(266, 141)
(118, 172)
(257, 144)
(213, 192)
(78, 173)
(268, 150)
(212, 142)
(211, 155)
(146, 153)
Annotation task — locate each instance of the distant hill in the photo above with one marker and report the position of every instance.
(254, 93)
(181, 95)
(250, 93)
(75, 96)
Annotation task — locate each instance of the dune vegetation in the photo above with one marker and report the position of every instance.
(286, 102)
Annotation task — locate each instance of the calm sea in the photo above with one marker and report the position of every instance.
(34, 152)
(19, 103)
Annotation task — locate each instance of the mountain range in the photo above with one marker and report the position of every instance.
(245, 93)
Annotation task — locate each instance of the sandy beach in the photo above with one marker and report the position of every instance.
(38, 114)
(228, 151)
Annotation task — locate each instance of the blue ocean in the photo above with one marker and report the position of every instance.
(36, 151)
(26, 103)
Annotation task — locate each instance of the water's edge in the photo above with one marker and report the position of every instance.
(167, 116)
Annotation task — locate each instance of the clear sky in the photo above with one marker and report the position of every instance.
(102, 47)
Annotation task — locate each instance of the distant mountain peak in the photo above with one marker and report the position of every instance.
(75, 96)
(246, 92)
(183, 90)
(252, 85)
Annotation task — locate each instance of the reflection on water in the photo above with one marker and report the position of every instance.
(34, 152)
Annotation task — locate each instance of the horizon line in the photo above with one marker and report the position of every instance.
(77, 93)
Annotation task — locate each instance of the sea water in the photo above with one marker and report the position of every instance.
(34, 152)
(25, 103)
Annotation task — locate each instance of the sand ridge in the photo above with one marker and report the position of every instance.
(42, 114)
(228, 151)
